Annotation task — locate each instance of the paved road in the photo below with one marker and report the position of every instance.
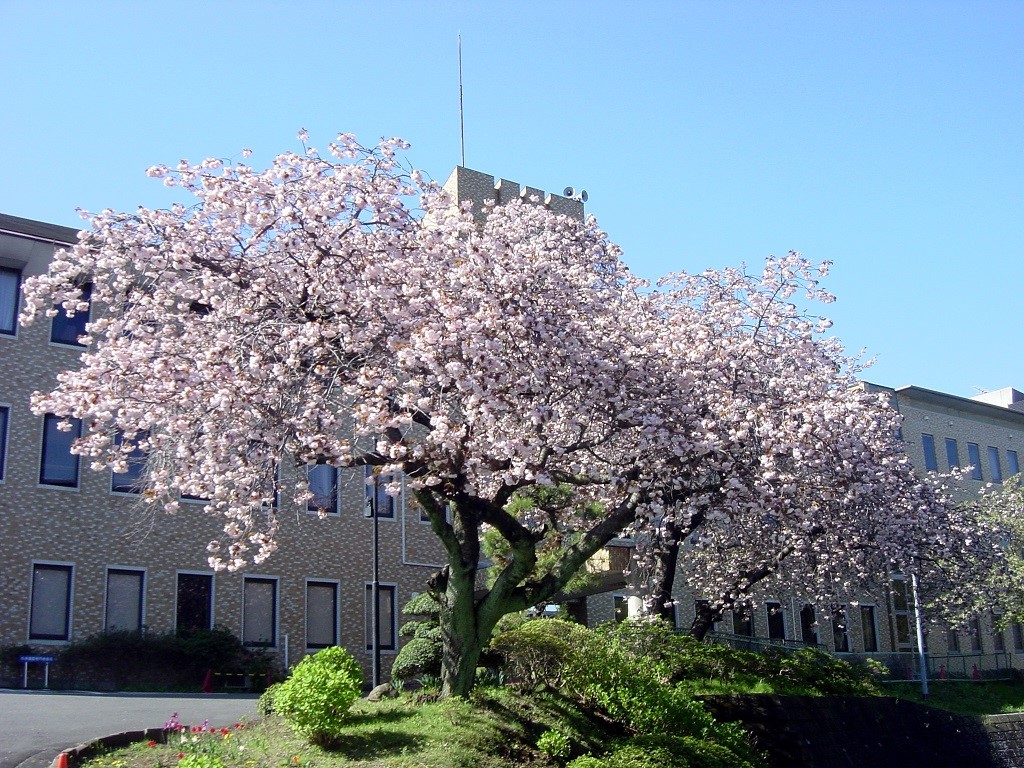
(36, 725)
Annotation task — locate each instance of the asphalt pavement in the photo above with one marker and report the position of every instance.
(37, 725)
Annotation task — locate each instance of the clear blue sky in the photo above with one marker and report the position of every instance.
(887, 137)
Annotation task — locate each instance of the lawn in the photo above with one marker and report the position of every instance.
(964, 697)
(496, 728)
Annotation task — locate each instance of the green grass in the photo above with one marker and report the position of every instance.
(964, 697)
(496, 728)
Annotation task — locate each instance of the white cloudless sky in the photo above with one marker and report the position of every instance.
(887, 137)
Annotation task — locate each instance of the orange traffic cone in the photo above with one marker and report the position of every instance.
(62, 760)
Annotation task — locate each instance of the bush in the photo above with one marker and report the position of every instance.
(661, 752)
(316, 698)
(420, 656)
(537, 652)
(554, 743)
(265, 704)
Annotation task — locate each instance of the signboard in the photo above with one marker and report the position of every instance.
(35, 659)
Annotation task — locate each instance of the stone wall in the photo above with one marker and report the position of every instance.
(840, 731)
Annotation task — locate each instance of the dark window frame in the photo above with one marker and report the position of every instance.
(382, 591)
(207, 611)
(65, 330)
(931, 461)
(376, 493)
(69, 569)
(75, 431)
(974, 457)
(335, 612)
(952, 453)
(9, 324)
(995, 467)
(274, 597)
(141, 603)
(335, 496)
(5, 423)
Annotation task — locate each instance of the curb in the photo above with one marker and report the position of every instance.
(73, 757)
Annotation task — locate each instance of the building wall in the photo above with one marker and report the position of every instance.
(92, 529)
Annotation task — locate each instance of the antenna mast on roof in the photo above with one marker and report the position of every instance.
(462, 120)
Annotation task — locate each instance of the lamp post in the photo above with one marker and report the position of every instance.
(922, 657)
(371, 510)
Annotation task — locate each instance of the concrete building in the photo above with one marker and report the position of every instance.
(941, 432)
(79, 553)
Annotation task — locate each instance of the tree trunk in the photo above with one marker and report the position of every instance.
(704, 620)
(462, 639)
(665, 555)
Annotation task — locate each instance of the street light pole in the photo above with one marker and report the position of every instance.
(375, 584)
(922, 657)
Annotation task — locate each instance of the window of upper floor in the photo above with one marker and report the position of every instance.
(10, 293)
(58, 466)
(68, 327)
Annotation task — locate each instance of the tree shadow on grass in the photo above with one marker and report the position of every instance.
(366, 746)
(388, 716)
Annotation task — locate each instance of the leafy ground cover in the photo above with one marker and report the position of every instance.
(620, 696)
(495, 728)
(964, 697)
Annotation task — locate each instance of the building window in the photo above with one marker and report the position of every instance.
(125, 590)
(1018, 637)
(902, 606)
(1011, 463)
(50, 612)
(10, 289)
(998, 641)
(129, 481)
(776, 621)
(974, 634)
(323, 484)
(952, 453)
(387, 631)
(994, 466)
(259, 611)
(928, 444)
(5, 413)
(194, 611)
(868, 629)
(67, 329)
(57, 465)
(620, 608)
(808, 625)
(378, 500)
(743, 621)
(974, 456)
(952, 641)
(321, 614)
(840, 636)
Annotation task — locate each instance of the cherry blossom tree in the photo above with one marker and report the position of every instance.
(809, 492)
(338, 308)
(308, 313)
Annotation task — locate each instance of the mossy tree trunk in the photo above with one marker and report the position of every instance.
(468, 612)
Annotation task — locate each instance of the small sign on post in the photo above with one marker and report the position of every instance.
(46, 661)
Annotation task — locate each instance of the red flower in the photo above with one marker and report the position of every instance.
(181, 755)
(151, 743)
(225, 731)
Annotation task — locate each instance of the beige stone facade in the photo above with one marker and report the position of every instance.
(941, 431)
(78, 557)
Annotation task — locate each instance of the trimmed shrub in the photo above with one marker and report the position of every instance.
(538, 651)
(420, 656)
(316, 698)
